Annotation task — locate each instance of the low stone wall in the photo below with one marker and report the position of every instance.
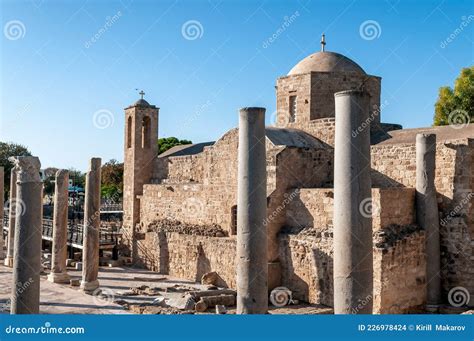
(399, 271)
(190, 256)
(399, 268)
(307, 265)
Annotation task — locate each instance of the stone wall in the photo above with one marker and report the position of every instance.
(307, 265)
(190, 256)
(399, 267)
(399, 270)
(306, 247)
(395, 165)
(313, 207)
(314, 93)
(188, 168)
(392, 206)
(205, 191)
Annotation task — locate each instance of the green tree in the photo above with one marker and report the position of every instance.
(112, 180)
(8, 150)
(78, 178)
(166, 143)
(456, 106)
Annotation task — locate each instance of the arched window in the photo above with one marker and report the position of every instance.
(146, 132)
(129, 132)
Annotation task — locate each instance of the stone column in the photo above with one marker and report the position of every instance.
(427, 215)
(252, 268)
(28, 230)
(11, 219)
(2, 206)
(90, 250)
(353, 256)
(58, 263)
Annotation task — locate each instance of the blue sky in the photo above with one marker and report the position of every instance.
(68, 68)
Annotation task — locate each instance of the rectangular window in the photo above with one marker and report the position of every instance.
(129, 133)
(233, 213)
(293, 108)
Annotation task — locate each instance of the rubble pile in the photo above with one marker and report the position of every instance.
(168, 225)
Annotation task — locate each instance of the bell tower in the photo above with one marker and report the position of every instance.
(141, 150)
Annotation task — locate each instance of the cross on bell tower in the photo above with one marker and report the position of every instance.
(142, 93)
(323, 42)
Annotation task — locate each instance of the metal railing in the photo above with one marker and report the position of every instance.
(111, 207)
(75, 233)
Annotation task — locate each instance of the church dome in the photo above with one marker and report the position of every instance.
(141, 103)
(326, 62)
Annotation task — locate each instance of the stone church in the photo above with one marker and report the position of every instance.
(180, 208)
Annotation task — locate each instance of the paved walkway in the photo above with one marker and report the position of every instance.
(115, 283)
(64, 299)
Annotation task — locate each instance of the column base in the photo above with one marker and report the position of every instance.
(432, 308)
(8, 262)
(60, 277)
(89, 286)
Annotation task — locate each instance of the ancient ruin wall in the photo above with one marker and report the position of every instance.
(313, 207)
(399, 271)
(395, 165)
(306, 249)
(187, 168)
(190, 256)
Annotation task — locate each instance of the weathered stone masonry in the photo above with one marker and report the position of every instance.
(181, 214)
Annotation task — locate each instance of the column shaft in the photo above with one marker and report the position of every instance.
(60, 219)
(2, 202)
(353, 255)
(27, 249)
(427, 214)
(11, 219)
(252, 265)
(90, 251)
